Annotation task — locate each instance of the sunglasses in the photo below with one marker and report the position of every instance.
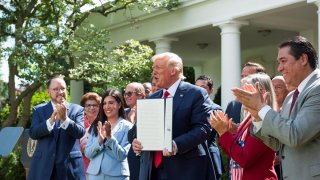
(129, 93)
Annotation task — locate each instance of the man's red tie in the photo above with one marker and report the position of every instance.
(158, 154)
(294, 98)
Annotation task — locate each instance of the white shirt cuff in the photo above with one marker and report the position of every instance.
(174, 143)
(65, 124)
(49, 126)
(262, 113)
(256, 126)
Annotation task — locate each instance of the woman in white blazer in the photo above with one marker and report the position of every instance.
(108, 145)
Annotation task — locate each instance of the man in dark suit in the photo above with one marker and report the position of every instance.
(207, 83)
(132, 93)
(190, 128)
(234, 108)
(57, 126)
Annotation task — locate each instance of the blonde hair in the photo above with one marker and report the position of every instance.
(265, 83)
(173, 60)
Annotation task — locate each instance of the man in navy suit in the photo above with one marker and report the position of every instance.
(190, 128)
(207, 83)
(234, 108)
(57, 126)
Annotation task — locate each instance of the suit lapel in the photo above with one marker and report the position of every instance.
(49, 111)
(301, 97)
(178, 96)
(118, 126)
(286, 105)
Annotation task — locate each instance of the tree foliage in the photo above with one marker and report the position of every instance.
(48, 38)
(3, 93)
(11, 167)
(47, 42)
(125, 63)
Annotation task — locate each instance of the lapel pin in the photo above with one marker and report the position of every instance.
(181, 95)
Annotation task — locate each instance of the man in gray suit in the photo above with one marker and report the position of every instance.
(295, 131)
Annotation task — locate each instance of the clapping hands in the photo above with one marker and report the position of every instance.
(253, 98)
(104, 131)
(132, 116)
(60, 113)
(220, 122)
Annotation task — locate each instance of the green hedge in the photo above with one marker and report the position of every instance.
(11, 167)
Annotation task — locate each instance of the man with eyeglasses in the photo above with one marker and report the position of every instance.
(57, 126)
(133, 92)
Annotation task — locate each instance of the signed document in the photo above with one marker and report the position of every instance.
(154, 124)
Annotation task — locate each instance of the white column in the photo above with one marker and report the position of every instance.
(230, 59)
(76, 91)
(163, 44)
(198, 71)
(317, 2)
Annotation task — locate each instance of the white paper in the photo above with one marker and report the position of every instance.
(150, 123)
(168, 125)
(154, 125)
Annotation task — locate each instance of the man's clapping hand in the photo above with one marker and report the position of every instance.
(61, 112)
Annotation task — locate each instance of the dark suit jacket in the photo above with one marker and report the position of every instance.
(133, 160)
(190, 130)
(213, 148)
(59, 148)
(234, 110)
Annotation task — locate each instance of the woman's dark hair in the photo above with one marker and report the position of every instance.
(102, 116)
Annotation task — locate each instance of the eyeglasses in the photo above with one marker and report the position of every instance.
(129, 93)
(91, 105)
(56, 90)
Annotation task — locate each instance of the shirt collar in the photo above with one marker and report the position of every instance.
(54, 106)
(173, 88)
(303, 84)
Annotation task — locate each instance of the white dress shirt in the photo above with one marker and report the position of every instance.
(63, 125)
